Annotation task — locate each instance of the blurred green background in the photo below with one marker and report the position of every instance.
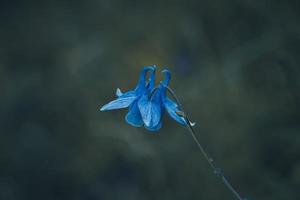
(235, 67)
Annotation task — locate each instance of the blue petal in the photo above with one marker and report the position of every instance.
(121, 102)
(150, 109)
(156, 106)
(172, 108)
(134, 117)
(143, 105)
(155, 114)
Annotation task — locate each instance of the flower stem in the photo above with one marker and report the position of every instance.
(217, 171)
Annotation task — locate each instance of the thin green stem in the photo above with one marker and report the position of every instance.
(217, 171)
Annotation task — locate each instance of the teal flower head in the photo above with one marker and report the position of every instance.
(147, 103)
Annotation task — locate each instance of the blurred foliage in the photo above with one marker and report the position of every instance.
(235, 67)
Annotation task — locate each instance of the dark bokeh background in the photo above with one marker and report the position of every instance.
(235, 68)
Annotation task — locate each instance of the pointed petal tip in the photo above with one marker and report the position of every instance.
(118, 92)
(102, 109)
(192, 124)
(147, 122)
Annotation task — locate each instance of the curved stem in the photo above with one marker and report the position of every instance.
(217, 171)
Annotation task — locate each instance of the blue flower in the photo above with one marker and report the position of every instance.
(152, 107)
(147, 104)
(130, 99)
